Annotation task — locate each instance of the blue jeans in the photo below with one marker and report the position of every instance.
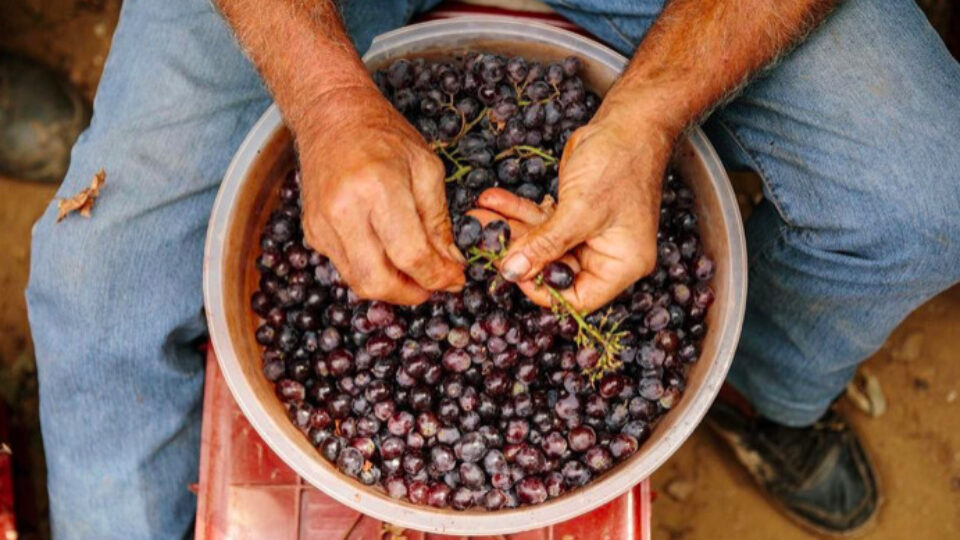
(855, 135)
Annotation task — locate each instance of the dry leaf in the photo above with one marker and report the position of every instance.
(865, 393)
(82, 202)
(392, 532)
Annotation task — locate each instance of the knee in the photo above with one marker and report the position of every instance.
(899, 237)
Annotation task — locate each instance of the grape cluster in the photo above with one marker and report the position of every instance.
(478, 398)
(495, 122)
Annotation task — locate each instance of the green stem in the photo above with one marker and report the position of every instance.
(460, 173)
(467, 126)
(608, 341)
(449, 156)
(529, 150)
(589, 328)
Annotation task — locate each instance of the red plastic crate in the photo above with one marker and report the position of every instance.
(8, 520)
(246, 491)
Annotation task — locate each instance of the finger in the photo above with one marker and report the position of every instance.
(512, 206)
(430, 198)
(321, 237)
(566, 228)
(402, 235)
(372, 275)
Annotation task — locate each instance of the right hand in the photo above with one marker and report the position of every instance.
(374, 200)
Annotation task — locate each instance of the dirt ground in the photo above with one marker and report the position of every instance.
(700, 494)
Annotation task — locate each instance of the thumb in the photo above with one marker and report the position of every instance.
(565, 229)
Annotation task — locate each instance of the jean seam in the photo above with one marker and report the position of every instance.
(760, 170)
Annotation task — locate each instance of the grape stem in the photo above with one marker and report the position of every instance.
(606, 339)
(524, 150)
(461, 171)
(461, 168)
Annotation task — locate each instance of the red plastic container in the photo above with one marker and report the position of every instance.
(246, 491)
(8, 521)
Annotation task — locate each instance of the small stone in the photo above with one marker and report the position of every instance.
(865, 393)
(679, 489)
(910, 349)
(951, 396)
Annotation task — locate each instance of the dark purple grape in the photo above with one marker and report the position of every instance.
(581, 438)
(495, 236)
(517, 69)
(623, 445)
(418, 492)
(558, 275)
(571, 65)
(537, 90)
(350, 461)
(598, 459)
(508, 171)
(555, 73)
(439, 495)
(400, 74)
(531, 490)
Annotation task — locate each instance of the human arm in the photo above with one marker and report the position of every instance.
(373, 195)
(697, 53)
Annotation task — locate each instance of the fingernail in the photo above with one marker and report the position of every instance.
(455, 253)
(515, 267)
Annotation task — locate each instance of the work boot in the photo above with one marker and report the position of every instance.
(40, 118)
(819, 475)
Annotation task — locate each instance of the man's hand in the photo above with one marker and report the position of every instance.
(373, 194)
(612, 168)
(374, 201)
(608, 206)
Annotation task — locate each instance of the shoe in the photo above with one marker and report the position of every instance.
(41, 117)
(820, 475)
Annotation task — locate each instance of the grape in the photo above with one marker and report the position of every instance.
(558, 275)
(400, 74)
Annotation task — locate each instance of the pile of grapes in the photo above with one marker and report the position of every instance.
(480, 399)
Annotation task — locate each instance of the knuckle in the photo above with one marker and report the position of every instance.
(413, 259)
(437, 220)
(639, 264)
(435, 280)
(545, 246)
(367, 291)
(342, 201)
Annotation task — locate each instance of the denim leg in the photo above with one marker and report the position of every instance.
(855, 134)
(115, 300)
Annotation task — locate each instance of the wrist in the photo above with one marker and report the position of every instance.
(331, 108)
(637, 125)
(644, 111)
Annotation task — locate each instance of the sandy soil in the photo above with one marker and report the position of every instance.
(701, 494)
